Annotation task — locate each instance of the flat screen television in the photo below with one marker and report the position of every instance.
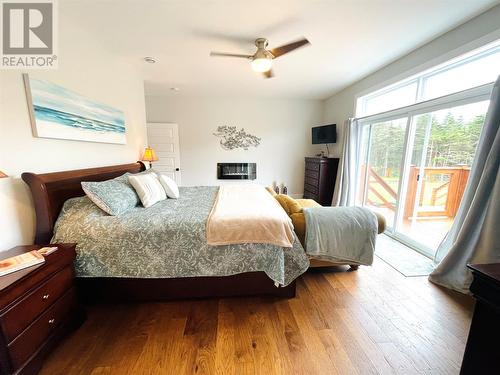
(324, 134)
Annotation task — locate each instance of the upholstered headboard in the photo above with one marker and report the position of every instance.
(51, 190)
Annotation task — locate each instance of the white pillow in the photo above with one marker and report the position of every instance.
(169, 185)
(148, 188)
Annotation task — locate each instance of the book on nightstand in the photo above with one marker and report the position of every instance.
(47, 250)
(20, 262)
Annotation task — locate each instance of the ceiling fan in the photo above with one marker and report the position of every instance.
(262, 59)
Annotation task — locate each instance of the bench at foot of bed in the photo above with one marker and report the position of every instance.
(318, 263)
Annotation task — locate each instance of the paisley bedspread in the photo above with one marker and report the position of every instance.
(166, 240)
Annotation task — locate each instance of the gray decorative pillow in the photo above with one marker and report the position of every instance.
(114, 196)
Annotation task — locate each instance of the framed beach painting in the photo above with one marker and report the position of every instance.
(57, 112)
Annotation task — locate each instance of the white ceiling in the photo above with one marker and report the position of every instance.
(349, 39)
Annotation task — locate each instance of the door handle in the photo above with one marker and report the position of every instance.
(177, 169)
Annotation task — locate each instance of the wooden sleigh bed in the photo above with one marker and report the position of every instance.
(51, 190)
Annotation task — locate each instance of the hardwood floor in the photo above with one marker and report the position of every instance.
(371, 321)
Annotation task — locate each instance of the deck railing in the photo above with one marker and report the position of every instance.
(375, 178)
(444, 198)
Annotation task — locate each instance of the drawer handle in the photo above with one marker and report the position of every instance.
(52, 321)
(46, 296)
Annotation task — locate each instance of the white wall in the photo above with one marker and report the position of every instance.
(284, 126)
(90, 71)
(472, 34)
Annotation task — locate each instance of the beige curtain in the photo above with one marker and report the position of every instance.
(346, 177)
(475, 234)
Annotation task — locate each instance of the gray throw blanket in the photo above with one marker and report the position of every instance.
(341, 234)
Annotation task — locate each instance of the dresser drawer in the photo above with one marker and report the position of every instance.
(309, 173)
(310, 188)
(312, 166)
(19, 316)
(311, 182)
(34, 336)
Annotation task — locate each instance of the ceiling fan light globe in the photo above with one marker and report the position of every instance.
(261, 65)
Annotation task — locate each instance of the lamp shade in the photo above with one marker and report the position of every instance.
(149, 155)
(2, 175)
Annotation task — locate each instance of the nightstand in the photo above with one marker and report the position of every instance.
(38, 306)
(481, 352)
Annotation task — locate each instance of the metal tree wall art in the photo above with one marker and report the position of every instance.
(232, 138)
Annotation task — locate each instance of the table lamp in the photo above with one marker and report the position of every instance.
(150, 156)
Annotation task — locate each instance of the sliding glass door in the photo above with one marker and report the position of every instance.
(383, 147)
(414, 170)
(443, 147)
(417, 142)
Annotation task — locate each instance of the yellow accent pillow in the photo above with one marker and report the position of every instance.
(307, 203)
(299, 226)
(271, 191)
(299, 219)
(290, 205)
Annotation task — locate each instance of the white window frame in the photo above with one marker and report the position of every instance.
(422, 77)
(469, 96)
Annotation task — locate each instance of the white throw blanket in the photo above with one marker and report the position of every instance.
(248, 214)
(341, 234)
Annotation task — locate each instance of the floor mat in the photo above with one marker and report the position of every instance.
(402, 258)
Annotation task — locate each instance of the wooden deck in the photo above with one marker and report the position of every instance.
(371, 321)
(439, 198)
(429, 230)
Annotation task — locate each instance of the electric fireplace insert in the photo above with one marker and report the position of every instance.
(236, 171)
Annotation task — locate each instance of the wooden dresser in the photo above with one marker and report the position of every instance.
(38, 306)
(319, 179)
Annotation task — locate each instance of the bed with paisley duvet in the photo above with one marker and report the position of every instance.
(160, 252)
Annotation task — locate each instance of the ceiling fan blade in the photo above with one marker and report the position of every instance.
(222, 54)
(279, 51)
(268, 74)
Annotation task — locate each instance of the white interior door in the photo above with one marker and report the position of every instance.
(164, 139)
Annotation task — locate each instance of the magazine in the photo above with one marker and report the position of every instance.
(20, 262)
